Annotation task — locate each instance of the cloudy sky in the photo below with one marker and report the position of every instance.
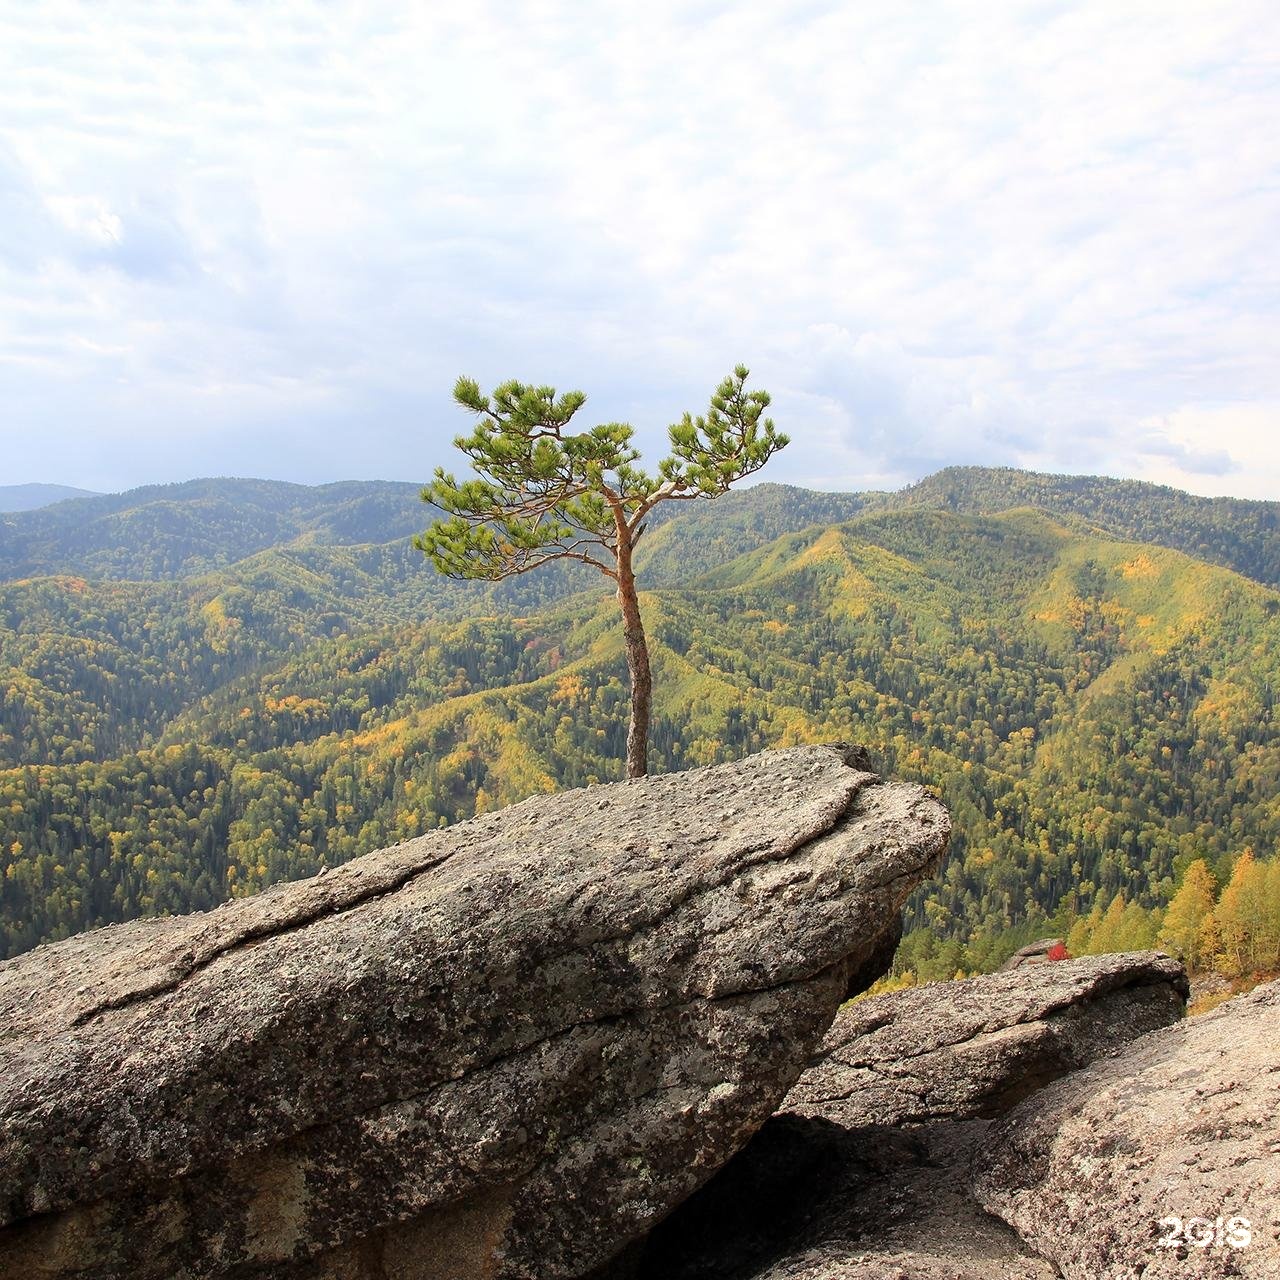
(264, 239)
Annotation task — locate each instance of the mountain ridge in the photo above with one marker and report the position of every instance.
(31, 497)
(175, 531)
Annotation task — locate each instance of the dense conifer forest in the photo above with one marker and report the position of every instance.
(208, 688)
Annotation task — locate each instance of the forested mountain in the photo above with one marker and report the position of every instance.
(92, 668)
(170, 532)
(1232, 532)
(29, 497)
(1097, 713)
(1239, 534)
(687, 539)
(175, 530)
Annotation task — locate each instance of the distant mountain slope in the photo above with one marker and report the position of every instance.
(1231, 532)
(91, 669)
(1095, 712)
(1240, 534)
(30, 497)
(687, 538)
(175, 531)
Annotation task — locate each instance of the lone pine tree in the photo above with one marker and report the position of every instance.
(543, 494)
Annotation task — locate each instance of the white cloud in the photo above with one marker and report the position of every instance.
(945, 232)
(1215, 450)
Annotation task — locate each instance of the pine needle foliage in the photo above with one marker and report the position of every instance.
(542, 493)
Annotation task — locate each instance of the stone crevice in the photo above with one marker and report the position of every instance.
(192, 963)
(749, 857)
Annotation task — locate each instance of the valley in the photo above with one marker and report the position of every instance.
(1095, 707)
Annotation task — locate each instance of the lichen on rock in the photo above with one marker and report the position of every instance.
(501, 1050)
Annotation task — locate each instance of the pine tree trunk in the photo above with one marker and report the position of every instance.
(637, 667)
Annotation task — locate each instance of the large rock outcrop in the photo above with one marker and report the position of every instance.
(502, 1050)
(865, 1173)
(1163, 1161)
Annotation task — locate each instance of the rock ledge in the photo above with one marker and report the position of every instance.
(501, 1050)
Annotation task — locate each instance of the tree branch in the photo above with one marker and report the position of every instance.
(671, 491)
(524, 562)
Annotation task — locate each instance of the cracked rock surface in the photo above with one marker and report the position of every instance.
(865, 1172)
(1182, 1125)
(501, 1050)
(973, 1048)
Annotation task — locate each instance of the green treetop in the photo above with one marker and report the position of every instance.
(542, 493)
(1183, 925)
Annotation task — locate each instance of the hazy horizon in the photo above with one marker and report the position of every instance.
(749, 483)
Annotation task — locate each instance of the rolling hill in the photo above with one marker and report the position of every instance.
(30, 497)
(1236, 533)
(1096, 711)
(171, 532)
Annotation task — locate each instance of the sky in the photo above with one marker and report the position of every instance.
(265, 238)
